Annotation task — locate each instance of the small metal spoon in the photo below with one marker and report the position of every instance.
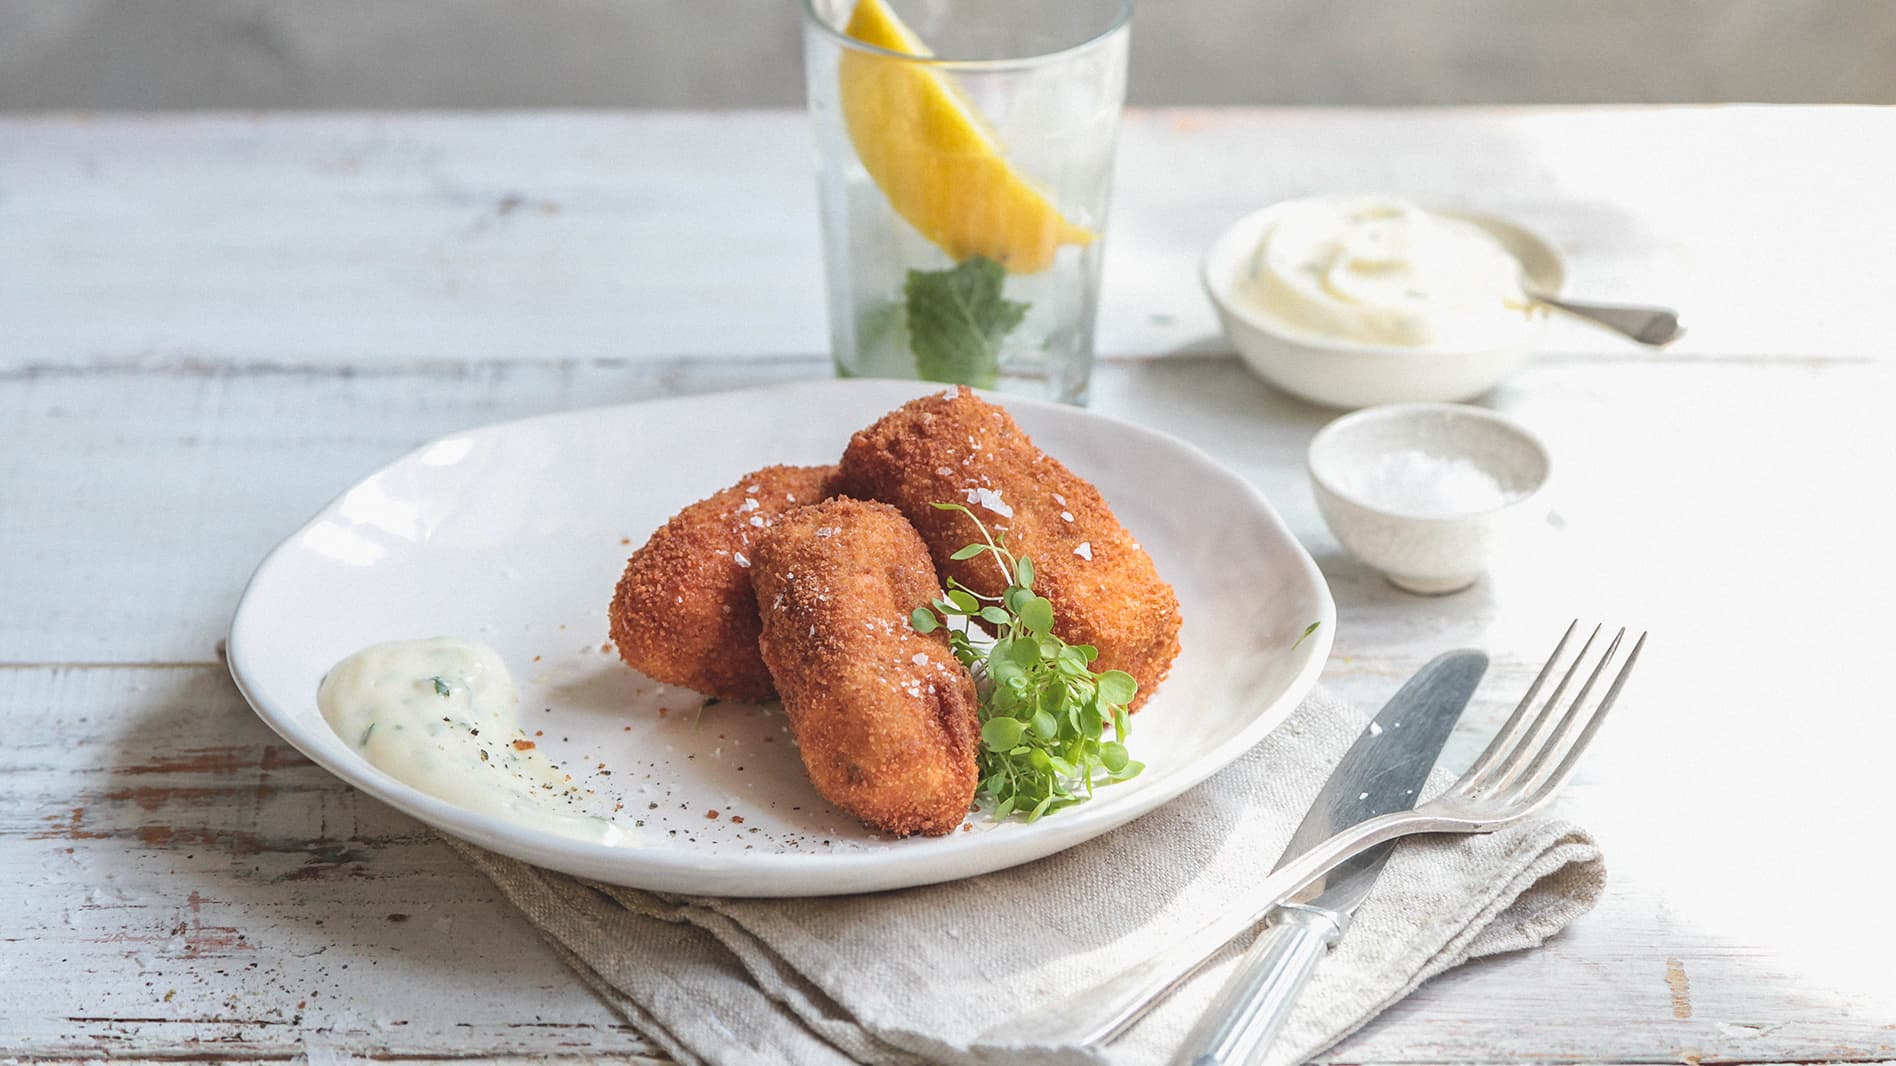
(1653, 326)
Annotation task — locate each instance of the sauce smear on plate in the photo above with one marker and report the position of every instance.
(439, 714)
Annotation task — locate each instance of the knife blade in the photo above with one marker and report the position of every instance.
(1385, 765)
(1378, 774)
(1384, 769)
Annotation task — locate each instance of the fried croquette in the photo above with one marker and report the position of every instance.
(684, 612)
(884, 716)
(956, 447)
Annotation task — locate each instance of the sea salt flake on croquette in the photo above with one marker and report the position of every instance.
(991, 500)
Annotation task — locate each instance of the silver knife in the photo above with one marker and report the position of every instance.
(1373, 778)
(1381, 772)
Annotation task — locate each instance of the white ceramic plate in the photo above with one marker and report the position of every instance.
(515, 534)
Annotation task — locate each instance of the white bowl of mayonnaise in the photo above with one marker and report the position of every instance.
(1350, 301)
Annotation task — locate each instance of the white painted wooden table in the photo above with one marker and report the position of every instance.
(210, 324)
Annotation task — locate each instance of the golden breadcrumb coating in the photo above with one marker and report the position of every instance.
(956, 447)
(884, 716)
(684, 612)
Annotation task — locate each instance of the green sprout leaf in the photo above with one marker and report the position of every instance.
(1036, 613)
(923, 620)
(1116, 687)
(1000, 734)
(1309, 629)
(957, 319)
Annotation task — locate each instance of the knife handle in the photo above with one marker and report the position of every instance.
(1256, 999)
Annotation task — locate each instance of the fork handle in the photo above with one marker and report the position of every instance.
(1257, 998)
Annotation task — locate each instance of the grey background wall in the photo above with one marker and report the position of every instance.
(86, 54)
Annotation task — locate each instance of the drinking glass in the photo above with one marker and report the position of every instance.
(965, 151)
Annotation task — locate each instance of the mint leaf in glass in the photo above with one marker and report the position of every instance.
(957, 319)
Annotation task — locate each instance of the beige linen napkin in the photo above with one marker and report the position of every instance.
(915, 975)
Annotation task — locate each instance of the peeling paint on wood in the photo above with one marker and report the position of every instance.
(1681, 989)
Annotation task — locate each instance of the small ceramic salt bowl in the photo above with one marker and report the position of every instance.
(1424, 492)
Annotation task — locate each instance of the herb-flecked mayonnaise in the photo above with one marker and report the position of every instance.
(440, 715)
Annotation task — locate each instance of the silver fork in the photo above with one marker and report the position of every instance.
(1521, 770)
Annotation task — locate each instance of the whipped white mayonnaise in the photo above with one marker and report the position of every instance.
(1376, 270)
(439, 715)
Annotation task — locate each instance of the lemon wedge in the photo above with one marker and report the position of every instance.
(928, 152)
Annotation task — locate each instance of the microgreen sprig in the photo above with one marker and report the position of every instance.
(1043, 711)
(1305, 635)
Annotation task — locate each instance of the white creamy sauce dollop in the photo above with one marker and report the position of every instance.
(440, 715)
(1376, 270)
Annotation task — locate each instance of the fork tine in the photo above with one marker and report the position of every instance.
(1565, 769)
(1498, 776)
(1506, 732)
(1525, 781)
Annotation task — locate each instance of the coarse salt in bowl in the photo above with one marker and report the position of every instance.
(1424, 492)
